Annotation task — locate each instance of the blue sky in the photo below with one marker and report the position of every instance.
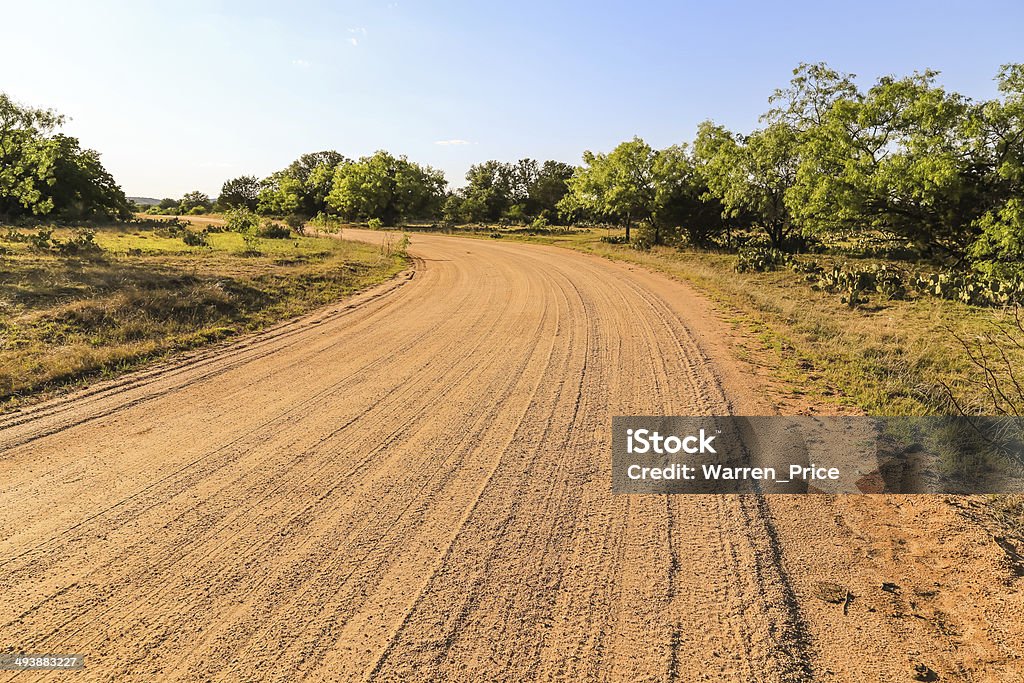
(183, 95)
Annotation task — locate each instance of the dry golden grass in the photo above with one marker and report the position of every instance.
(66, 319)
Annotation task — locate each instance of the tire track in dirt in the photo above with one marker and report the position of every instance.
(414, 485)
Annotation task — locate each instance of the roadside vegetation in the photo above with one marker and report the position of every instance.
(873, 235)
(77, 304)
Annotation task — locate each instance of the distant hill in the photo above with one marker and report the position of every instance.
(144, 201)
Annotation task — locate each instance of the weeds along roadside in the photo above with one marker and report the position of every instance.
(81, 304)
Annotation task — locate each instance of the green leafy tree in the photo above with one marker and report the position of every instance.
(243, 191)
(617, 186)
(999, 249)
(27, 156)
(195, 202)
(302, 187)
(547, 189)
(683, 208)
(998, 138)
(811, 94)
(516, 192)
(82, 187)
(488, 193)
(44, 173)
(388, 188)
(895, 159)
(751, 175)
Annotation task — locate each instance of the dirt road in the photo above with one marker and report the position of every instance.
(414, 485)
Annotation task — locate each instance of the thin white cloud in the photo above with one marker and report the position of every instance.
(301, 63)
(360, 30)
(451, 142)
(354, 42)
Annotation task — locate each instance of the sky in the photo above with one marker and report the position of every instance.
(179, 96)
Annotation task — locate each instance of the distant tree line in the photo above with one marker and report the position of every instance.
(904, 158)
(391, 190)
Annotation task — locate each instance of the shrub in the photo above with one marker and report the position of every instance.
(274, 231)
(172, 228)
(41, 240)
(252, 243)
(243, 221)
(296, 222)
(375, 224)
(82, 243)
(760, 260)
(194, 238)
(972, 289)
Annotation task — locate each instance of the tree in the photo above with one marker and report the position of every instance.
(388, 188)
(26, 157)
(488, 193)
(548, 188)
(43, 173)
(195, 202)
(516, 192)
(81, 187)
(308, 164)
(302, 187)
(682, 205)
(896, 159)
(812, 92)
(617, 186)
(241, 192)
(998, 137)
(752, 174)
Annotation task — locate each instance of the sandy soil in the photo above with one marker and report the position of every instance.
(414, 485)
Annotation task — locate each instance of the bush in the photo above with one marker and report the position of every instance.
(41, 240)
(972, 289)
(760, 260)
(81, 243)
(172, 228)
(296, 222)
(243, 221)
(999, 250)
(644, 238)
(194, 239)
(274, 231)
(375, 224)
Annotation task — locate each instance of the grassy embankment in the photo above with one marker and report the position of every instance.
(65, 319)
(887, 357)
